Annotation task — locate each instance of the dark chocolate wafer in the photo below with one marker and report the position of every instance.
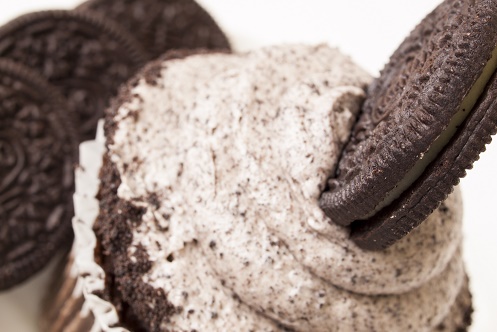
(38, 151)
(162, 25)
(424, 122)
(83, 54)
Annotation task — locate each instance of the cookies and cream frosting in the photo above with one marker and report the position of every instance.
(228, 154)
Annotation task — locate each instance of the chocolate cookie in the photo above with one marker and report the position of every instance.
(38, 150)
(162, 25)
(84, 55)
(424, 122)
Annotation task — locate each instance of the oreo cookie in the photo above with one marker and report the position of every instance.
(84, 55)
(38, 151)
(425, 121)
(163, 25)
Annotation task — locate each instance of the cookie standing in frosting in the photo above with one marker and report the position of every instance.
(215, 180)
(426, 120)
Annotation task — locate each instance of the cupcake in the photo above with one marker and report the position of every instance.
(199, 210)
(229, 190)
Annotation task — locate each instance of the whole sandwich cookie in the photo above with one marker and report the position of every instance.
(38, 150)
(258, 149)
(424, 122)
(86, 56)
(162, 25)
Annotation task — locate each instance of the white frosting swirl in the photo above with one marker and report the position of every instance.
(237, 149)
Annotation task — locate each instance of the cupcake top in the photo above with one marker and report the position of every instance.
(220, 160)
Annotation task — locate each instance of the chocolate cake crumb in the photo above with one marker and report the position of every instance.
(124, 287)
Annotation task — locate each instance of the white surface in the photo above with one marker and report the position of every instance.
(367, 30)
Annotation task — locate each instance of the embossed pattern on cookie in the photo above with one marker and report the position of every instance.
(84, 55)
(38, 151)
(163, 25)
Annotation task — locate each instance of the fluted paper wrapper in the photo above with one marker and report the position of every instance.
(76, 307)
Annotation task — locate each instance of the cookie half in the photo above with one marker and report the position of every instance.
(162, 25)
(38, 151)
(425, 121)
(84, 55)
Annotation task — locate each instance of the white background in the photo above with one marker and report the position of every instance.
(369, 31)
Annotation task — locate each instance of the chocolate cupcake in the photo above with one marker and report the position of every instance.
(207, 217)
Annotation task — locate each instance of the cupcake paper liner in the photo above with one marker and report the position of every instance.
(76, 307)
(90, 275)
